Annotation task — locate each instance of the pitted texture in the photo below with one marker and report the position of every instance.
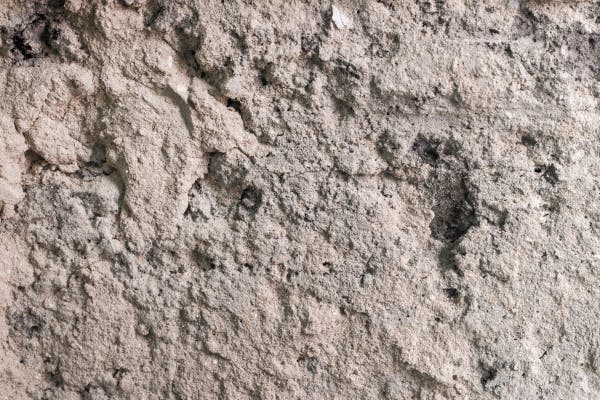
(299, 200)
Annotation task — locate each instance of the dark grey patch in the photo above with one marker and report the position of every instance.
(33, 157)
(426, 149)
(453, 209)
(343, 107)
(251, 199)
(266, 75)
(528, 140)
(204, 261)
(452, 293)
(154, 15)
(454, 214)
(96, 166)
(193, 210)
(347, 69)
(53, 371)
(32, 39)
(488, 375)
(310, 363)
(27, 322)
(525, 23)
(448, 259)
(21, 46)
(235, 105)
(309, 44)
(56, 4)
(551, 174)
(225, 171)
(98, 154)
(392, 145)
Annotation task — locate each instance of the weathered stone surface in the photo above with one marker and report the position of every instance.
(299, 200)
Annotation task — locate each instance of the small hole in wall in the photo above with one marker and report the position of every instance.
(263, 80)
(550, 173)
(251, 199)
(426, 149)
(290, 276)
(266, 75)
(452, 293)
(235, 104)
(32, 156)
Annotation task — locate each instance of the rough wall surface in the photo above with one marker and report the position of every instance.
(299, 200)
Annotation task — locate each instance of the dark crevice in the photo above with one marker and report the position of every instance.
(235, 104)
(251, 199)
(453, 210)
(239, 108)
(184, 109)
(22, 47)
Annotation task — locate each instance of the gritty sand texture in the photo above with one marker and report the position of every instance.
(299, 199)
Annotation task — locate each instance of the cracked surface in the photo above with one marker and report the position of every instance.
(299, 200)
